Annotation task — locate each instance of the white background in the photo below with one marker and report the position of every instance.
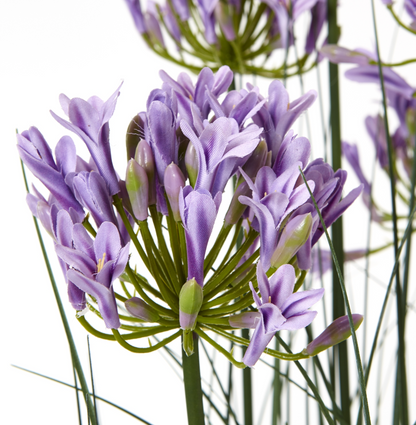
(87, 47)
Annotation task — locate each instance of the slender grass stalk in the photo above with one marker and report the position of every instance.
(79, 389)
(348, 309)
(340, 354)
(401, 389)
(74, 354)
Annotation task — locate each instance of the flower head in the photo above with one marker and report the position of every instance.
(279, 308)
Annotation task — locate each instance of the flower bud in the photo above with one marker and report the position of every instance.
(256, 161)
(236, 209)
(247, 320)
(339, 330)
(173, 182)
(138, 189)
(190, 302)
(191, 163)
(294, 235)
(134, 130)
(138, 308)
(144, 157)
(224, 17)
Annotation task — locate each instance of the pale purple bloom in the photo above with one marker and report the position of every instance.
(339, 330)
(277, 116)
(221, 149)
(198, 210)
(40, 209)
(160, 133)
(89, 120)
(137, 15)
(274, 198)
(138, 308)
(327, 194)
(338, 54)
(225, 20)
(37, 156)
(206, 10)
(63, 225)
(410, 7)
(319, 15)
(392, 81)
(95, 264)
(189, 94)
(280, 308)
(181, 8)
(91, 191)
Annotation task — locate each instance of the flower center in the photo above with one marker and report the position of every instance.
(100, 264)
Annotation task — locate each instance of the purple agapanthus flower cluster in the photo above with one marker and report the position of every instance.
(400, 98)
(210, 30)
(183, 151)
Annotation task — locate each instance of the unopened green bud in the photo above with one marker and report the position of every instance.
(190, 302)
(294, 235)
(138, 189)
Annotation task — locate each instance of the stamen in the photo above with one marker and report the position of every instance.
(270, 299)
(100, 264)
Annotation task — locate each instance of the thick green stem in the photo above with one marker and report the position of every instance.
(340, 351)
(192, 384)
(247, 392)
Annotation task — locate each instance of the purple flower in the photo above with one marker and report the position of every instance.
(190, 95)
(338, 54)
(274, 197)
(327, 194)
(277, 116)
(137, 15)
(198, 210)
(40, 209)
(37, 156)
(280, 308)
(95, 264)
(92, 192)
(319, 14)
(410, 6)
(339, 330)
(89, 120)
(392, 80)
(63, 225)
(221, 148)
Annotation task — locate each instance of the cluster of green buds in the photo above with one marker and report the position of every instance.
(242, 34)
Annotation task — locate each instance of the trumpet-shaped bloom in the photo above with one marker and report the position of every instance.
(37, 156)
(279, 307)
(198, 211)
(221, 148)
(273, 199)
(89, 120)
(95, 264)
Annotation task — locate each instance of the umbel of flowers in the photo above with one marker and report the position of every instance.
(191, 141)
(250, 36)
